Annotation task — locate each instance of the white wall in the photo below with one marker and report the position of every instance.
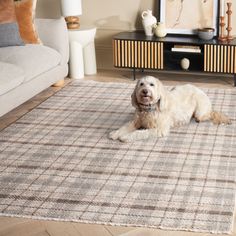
(110, 17)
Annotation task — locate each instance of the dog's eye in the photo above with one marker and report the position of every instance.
(141, 84)
(151, 84)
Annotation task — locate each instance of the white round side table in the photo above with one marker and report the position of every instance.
(82, 52)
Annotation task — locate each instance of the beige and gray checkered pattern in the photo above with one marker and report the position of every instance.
(57, 163)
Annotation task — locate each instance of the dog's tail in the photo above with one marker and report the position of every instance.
(219, 118)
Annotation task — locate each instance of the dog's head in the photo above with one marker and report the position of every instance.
(148, 91)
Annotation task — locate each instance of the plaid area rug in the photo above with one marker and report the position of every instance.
(57, 163)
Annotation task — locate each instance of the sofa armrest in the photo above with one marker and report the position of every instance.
(53, 33)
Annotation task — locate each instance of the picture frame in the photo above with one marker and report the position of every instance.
(186, 16)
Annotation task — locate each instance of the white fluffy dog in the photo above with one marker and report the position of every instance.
(157, 110)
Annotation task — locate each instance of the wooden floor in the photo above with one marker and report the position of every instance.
(26, 227)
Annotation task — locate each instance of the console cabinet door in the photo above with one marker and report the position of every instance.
(220, 58)
(138, 54)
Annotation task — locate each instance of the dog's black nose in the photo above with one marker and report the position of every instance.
(145, 91)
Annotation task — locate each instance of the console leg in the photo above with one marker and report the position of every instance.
(234, 80)
(134, 73)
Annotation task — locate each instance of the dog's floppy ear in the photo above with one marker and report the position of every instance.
(163, 102)
(134, 101)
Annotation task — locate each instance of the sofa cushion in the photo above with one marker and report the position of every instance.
(25, 14)
(11, 76)
(34, 59)
(9, 35)
(9, 31)
(7, 11)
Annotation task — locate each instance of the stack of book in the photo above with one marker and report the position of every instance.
(186, 48)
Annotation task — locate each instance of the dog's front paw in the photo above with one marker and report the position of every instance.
(114, 135)
(126, 138)
(162, 132)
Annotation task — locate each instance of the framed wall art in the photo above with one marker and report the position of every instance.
(186, 16)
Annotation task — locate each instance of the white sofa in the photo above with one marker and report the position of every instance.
(27, 70)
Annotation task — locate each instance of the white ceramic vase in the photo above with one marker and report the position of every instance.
(148, 21)
(185, 63)
(160, 29)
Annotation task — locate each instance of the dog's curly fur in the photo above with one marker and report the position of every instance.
(158, 110)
